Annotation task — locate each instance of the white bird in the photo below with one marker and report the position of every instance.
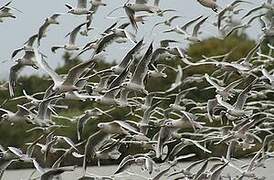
(67, 84)
(70, 46)
(5, 11)
(136, 83)
(28, 46)
(18, 116)
(81, 8)
(43, 29)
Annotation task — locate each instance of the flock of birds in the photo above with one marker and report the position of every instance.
(239, 116)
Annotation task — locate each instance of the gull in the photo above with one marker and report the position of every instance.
(265, 5)
(136, 83)
(144, 123)
(149, 100)
(182, 29)
(45, 148)
(233, 66)
(95, 4)
(166, 22)
(113, 89)
(18, 116)
(67, 84)
(71, 150)
(187, 171)
(267, 75)
(106, 129)
(5, 11)
(72, 38)
(27, 60)
(108, 151)
(225, 92)
(91, 113)
(171, 165)
(158, 72)
(176, 105)
(43, 29)
(28, 46)
(140, 160)
(194, 36)
(195, 32)
(127, 58)
(140, 5)
(245, 25)
(237, 108)
(117, 127)
(184, 142)
(170, 127)
(214, 172)
(178, 80)
(11, 155)
(249, 172)
(51, 173)
(166, 42)
(242, 132)
(81, 8)
(43, 116)
(209, 4)
(109, 37)
(230, 7)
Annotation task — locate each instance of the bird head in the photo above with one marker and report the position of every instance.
(169, 124)
(101, 125)
(5, 117)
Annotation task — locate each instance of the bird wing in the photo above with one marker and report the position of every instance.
(42, 31)
(92, 145)
(185, 26)
(124, 164)
(130, 14)
(75, 73)
(22, 111)
(142, 67)
(14, 70)
(74, 32)
(68, 141)
(126, 126)
(130, 36)
(129, 56)
(210, 81)
(108, 30)
(223, 103)
(31, 40)
(81, 121)
(176, 149)
(44, 65)
(197, 27)
(8, 3)
(267, 75)
(239, 104)
(104, 41)
(16, 51)
(252, 11)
